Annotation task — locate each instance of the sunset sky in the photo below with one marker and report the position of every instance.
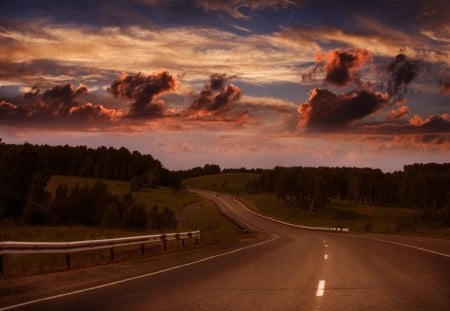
(235, 83)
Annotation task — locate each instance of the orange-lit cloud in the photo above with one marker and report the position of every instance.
(432, 123)
(58, 107)
(341, 66)
(399, 112)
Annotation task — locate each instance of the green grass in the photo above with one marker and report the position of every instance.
(226, 182)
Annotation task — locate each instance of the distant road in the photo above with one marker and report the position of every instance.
(292, 269)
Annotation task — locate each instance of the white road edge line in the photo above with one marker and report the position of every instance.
(135, 277)
(325, 256)
(410, 246)
(320, 288)
(324, 229)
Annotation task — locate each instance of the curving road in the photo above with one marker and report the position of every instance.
(292, 269)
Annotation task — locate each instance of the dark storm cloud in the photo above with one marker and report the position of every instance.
(401, 72)
(328, 111)
(62, 93)
(59, 107)
(341, 66)
(216, 96)
(143, 90)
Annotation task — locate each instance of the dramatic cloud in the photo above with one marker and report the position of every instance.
(327, 111)
(342, 66)
(58, 107)
(402, 71)
(143, 90)
(401, 111)
(216, 97)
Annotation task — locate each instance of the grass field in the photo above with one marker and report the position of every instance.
(228, 182)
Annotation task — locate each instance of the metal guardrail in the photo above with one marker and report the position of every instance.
(23, 248)
(330, 229)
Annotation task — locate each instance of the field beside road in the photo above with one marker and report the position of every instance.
(359, 217)
(192, 213)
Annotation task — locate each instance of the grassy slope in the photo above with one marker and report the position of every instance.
(358, 217)
(210, 222)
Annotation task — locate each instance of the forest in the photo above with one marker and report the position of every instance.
(26, 169)
(422, 186)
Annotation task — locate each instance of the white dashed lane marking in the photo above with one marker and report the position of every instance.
(320, 288)
(325, 256)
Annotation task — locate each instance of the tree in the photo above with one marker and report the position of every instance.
(36, 211)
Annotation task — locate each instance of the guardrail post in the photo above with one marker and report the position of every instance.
(182, 242)
(142, 249)
(112, 253)
(196, 240)
(165, 245)
(68, 260)
(1, 265)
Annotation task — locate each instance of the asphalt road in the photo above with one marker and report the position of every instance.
(292, 269)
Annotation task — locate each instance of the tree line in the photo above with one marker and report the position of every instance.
(92, 205)
(212, 169)
(424, 186)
